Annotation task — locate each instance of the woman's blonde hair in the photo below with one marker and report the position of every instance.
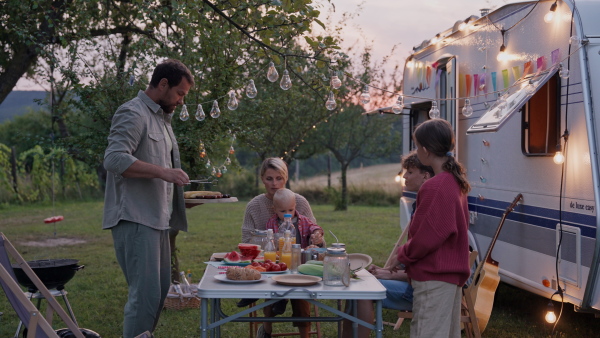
(274, 163)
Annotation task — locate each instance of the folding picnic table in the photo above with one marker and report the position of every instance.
(212, 291)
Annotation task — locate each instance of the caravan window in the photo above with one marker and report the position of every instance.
(541, 122)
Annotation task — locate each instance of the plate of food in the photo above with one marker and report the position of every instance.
(223, 278)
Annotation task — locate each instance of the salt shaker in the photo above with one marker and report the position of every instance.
(335, 267)
(296, 257)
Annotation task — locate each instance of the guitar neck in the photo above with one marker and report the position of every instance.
(487, 258)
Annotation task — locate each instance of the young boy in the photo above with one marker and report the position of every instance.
(308, 234)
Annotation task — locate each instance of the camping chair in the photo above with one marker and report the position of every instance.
(468, 316)
(36, 324)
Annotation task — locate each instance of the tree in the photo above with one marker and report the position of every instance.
(349, 134)
(92, 48)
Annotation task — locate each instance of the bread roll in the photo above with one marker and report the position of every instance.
(237, 273)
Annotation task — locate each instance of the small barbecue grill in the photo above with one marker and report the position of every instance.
(54, 273)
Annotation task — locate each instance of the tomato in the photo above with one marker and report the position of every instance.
(283, 266)
(268, 261)
(255, 264)
(268, 266)
(275, 267)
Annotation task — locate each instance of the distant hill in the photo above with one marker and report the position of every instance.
(17, 102)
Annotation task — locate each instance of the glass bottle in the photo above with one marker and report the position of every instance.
(286, 251)
(286, 225)
(259, 237)
(270, 249)
(336, 270)
(296, 258)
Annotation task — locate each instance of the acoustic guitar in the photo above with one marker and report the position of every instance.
(486, 277)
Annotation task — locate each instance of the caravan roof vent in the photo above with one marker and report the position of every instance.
(485, 11)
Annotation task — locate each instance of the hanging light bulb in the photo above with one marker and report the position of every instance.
(398, 177)
(335, 82)
(219, 174)
(550, 315)
(563, 72)
(200, 116)
(365, 97)
(330, 103)
(251, 90)
(228, 160)
(434, 113)
(530, 87)
(286, 82)
(231, 150)
(574, 40)
(272, 74)
(399, 105)
(207, 165)
(214, 171)
(131, 80)
(224, 170)
(502, 55)
(551, 14)
(215, 112)
(411, 63)
(467, 109)
(184, 115)
(232, 104)
(559, 158)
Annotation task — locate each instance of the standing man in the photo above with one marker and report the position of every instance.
(144, 194)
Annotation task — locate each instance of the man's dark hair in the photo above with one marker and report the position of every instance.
(172, 70)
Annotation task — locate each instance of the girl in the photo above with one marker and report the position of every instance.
(437, 252)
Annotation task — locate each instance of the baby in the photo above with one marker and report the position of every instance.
(308, 234)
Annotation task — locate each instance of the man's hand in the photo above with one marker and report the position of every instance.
(176, 176)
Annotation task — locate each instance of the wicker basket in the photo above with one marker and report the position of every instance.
(185, 300)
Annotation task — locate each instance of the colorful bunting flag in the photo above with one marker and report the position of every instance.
(505, 78)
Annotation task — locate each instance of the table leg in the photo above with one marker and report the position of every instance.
(203, 315)
(378, 318)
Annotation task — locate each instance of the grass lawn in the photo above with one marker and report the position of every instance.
(98, 292)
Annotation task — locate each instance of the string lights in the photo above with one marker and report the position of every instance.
(335, 82)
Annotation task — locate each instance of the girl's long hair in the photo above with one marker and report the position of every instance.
(437, 137)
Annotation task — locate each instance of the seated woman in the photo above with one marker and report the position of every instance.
(274, 175)
(398, 289)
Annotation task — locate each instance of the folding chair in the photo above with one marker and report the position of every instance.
(468, 316)
(36, 324)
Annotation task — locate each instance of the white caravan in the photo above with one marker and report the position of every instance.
(531, 74)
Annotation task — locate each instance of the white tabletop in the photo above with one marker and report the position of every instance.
(366, 287)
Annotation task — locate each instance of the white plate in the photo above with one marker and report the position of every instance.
(223, 278)
(296, 280)
(358, 261)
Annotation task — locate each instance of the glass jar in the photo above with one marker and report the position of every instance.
(259, 237)
(336, 269)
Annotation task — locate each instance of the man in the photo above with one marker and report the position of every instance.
(144, 194)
